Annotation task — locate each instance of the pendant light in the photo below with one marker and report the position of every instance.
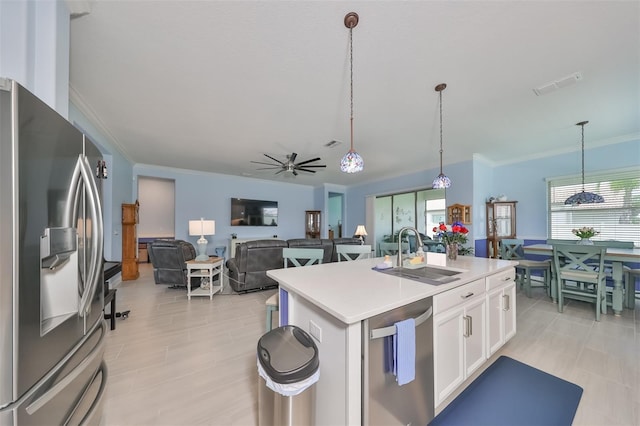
(583, 197)
(352, 162)
(441, 181)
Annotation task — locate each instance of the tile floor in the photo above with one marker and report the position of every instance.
(175, 362)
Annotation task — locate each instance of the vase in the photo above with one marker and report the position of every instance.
(584, 242)
(452, 251)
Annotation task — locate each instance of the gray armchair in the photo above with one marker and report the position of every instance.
(168, 258)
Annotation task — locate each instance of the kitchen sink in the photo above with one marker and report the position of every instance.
(424, 274)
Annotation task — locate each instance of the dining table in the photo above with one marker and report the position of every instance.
(617, 257)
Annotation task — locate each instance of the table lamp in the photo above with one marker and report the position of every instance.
(360, 232)
(202, 227)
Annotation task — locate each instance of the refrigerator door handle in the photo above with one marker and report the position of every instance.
(97, 401)
(69, 378)
(391, 330)
(93, 200)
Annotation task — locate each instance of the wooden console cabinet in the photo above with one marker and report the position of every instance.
(130, 242)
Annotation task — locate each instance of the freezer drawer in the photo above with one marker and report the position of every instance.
(384, 401)
(69, 394)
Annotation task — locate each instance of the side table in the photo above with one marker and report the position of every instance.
(205, 269)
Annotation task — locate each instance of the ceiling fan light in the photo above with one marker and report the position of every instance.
(441, 182)
(352, 162)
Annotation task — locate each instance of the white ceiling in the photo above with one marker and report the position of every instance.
(212, 85)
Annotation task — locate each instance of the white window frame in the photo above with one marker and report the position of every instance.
(618, 218)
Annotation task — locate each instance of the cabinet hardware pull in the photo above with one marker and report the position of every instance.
(466, 296)
(506, 279)
(507, 302)
(468, 326)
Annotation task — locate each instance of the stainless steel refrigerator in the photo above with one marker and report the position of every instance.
(51, 253)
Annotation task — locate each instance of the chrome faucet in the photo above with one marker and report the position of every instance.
(406, 228)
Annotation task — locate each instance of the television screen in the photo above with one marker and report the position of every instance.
(253, 212)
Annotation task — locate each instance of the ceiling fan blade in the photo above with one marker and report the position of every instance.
(280, 171)
(292, 157)
(306, 170)
(295, 173)
(316, 165)
(274, 159)
(268, 164)
(308, 161)
(269, 168)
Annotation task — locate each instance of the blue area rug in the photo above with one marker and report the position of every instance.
(511, 393)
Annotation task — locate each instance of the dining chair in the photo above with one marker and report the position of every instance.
(630, 287)
(513, 249)
(576, 276)
(351, 252)
(296, 257)
(391, 249)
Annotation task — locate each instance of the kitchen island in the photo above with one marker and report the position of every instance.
(334, 302)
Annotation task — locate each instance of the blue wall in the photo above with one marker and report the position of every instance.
(209, 195)
(525, 181)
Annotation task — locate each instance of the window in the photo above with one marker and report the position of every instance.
(618, 218)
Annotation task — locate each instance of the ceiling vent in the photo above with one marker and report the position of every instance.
(561, 83)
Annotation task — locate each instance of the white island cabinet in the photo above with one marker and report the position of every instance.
(459, 342)
(335, 302)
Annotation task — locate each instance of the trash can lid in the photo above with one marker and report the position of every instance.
(288, 354)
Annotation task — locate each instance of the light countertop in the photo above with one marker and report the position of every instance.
(352, 291)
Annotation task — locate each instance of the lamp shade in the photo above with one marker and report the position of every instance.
(360, 231)
(202, 227)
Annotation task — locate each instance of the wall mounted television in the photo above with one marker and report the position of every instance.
(246, 212)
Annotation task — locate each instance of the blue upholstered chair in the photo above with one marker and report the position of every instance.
(292, 257)
(512, 249)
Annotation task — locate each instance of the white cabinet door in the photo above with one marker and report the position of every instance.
(459, 345)
(448, 352)
(509, 310)
(474, 334)
(495, 323)
(501, 316)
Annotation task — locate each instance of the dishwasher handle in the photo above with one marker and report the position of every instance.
(391, 330)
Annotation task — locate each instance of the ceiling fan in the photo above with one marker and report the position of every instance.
(290, 165)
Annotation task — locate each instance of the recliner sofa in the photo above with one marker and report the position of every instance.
(248, 269)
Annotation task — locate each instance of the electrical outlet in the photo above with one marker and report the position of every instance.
(315, 330)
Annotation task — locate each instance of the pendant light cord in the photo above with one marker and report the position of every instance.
(351, 79)
(440, 93)
(582, 125)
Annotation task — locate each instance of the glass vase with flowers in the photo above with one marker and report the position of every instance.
(585, 234)
(452, 237)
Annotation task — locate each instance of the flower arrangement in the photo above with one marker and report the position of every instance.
(585, 232)
(456, 233)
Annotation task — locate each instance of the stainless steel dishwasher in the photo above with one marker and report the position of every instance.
(384, 402)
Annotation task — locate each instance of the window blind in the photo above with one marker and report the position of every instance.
(618, 218)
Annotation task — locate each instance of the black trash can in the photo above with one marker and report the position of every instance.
(288, 368)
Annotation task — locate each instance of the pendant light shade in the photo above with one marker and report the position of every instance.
(352, 162)
(441, 181)
(583, 197)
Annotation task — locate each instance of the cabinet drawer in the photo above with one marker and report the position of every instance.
(501, 278)
(459, 295)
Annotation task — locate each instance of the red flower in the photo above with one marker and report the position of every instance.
(443, 227)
